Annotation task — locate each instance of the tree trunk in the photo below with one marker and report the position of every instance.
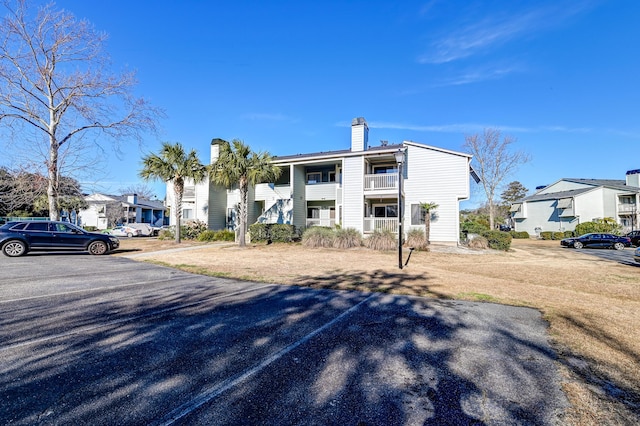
(52, 186)
(427, 226)
(244, 200)
(178, 191)
(492, 213)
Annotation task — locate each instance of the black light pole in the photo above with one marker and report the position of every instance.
(399, 154)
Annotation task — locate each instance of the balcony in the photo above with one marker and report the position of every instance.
(268, 191)
(380, 224)
(377, 182)
(321, 191)
(627, 209)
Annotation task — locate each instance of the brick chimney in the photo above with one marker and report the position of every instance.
(359, 134)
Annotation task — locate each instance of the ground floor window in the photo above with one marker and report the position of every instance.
(187, 213)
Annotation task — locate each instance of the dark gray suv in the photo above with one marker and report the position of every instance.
(19, 238)
(635, 238)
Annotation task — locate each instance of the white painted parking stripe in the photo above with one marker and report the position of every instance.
(215, 391)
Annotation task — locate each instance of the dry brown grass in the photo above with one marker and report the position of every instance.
(592, 305)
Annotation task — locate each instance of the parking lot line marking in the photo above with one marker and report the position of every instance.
(212, 393)
(123, 320)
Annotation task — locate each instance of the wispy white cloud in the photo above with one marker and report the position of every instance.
(478, 75)
(496, 31)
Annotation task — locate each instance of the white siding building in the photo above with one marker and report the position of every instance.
(128, 209)
(566, 203)
(354, 188)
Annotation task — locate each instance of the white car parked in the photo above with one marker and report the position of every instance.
(125, 231)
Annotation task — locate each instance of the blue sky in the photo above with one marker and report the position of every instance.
(288, 76)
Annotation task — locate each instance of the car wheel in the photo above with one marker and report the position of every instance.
(618, 246)
(14, 248)
(577, 244)
(97, 247)
(129, 234)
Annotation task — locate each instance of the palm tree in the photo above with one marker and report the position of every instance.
(174, 165)
(427, 208)
(238, 165)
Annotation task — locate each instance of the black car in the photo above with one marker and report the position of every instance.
(597, 240)
(19, 238)
(635, 237)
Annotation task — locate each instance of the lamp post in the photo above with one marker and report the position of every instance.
(399, 154)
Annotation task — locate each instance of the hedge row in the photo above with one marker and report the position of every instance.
(551, 235)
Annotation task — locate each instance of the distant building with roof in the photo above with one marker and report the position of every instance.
(103, 209)
(351, 188)
(566, 203)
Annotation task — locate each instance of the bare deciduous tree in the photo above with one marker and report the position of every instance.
(494, 162)
(141, 190)
(56, 89)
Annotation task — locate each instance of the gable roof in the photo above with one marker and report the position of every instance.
(348, 153)
(593, 184)
(609, 183)
(555, 195)
(142, 203)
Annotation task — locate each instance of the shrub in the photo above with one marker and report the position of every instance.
(318, 236)
(91, 228)
(519, 235)
(474, 227)
(220, 235)
(192, 228)
(381, 240)
(276, 232)
(417, 239)
(259, 232)
(498, 240)
(347, 238)
(557, 235)
(569, 234)
(166, 234)
(607, 225)
(281, 233)
(479, 242)
(546, 235)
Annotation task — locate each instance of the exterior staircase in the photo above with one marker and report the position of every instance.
(280, 212)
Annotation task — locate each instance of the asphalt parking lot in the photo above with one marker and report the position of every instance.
(624, 256)
(106, 340)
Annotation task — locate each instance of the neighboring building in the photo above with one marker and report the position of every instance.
(568, 202)
(103, 209)
(354, 188)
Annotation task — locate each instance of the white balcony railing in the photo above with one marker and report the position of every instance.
(380, 181)
(381, 224)
(321, 222)
(627, 208)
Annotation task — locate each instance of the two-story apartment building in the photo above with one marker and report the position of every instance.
(353, 188)
(566, 203)
(127, 209)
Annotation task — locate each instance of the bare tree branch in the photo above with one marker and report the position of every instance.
(494, 162)
(55, 79)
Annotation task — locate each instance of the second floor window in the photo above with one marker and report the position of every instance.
(314, 177)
